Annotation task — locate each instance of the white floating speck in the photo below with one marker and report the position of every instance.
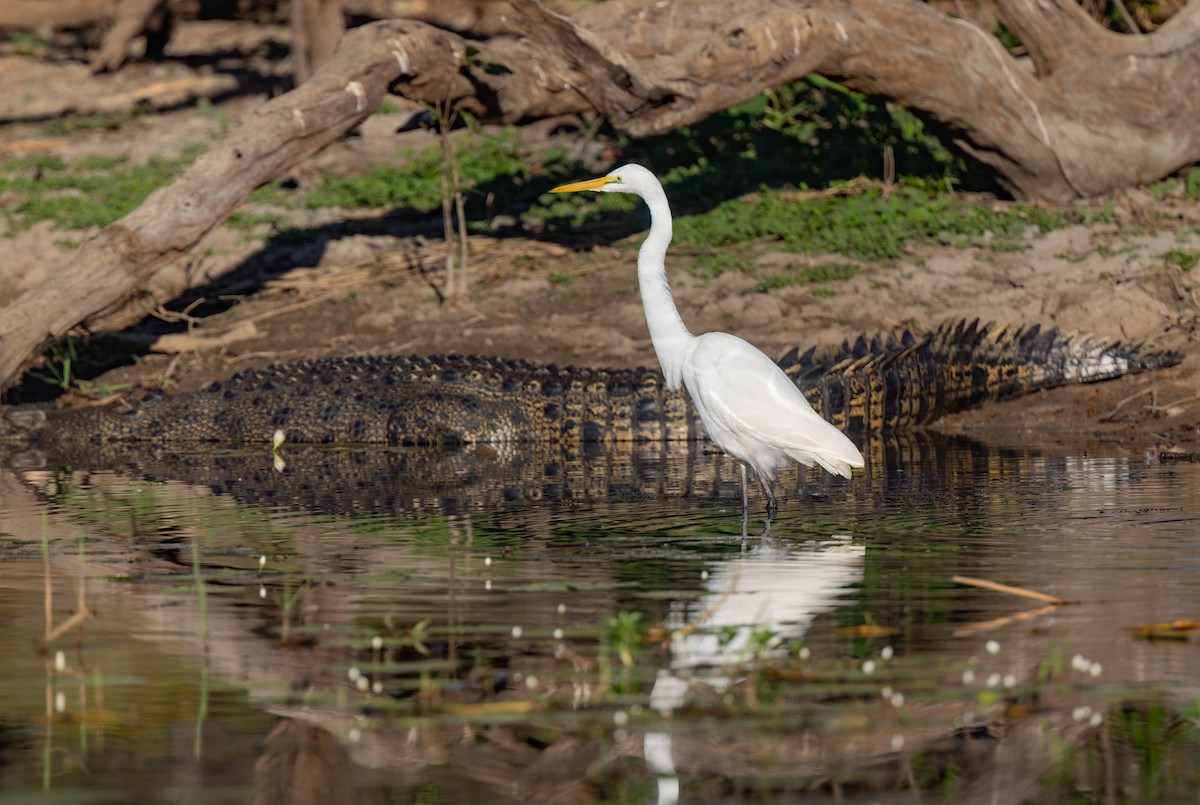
(1081, 713)
(886, 653)
(897, 700)
(60, 661)
(353, 673)
(262, 562)
(704, 575)
(992, 647)
(60, 702)
(968, 677)
(897, 743)
(517, 631)
(262, 592)
(805, 652)
(558, 634)
(377, 642)
(487, 561)
(1079, 663)
(1097, 719)
(354, 735)
(562, 609)
(886, 692)
(868, 667)
(487, 585)
(277, 439)
(1095, 670)
(377, 688)
(993, 680)
(531, 682)
(362, 683)
(620, 718)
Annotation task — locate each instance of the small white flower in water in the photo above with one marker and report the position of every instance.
(1082, 712)
(1097, 719)
(562, 609)
(278, 462)
(886, 653)
(487, 561)
(377, 642)
(1095, 670)
(531, 682)
(968, 677)
(354, 735)
(886, 692)
(558, 633)
(703, 575)
(362, 683)
(1079, 663)
(993, 680)
(487, 585)
(60, 702)
(262, 592)
(60, 661)
(1010, 680)
(277, 439)
(353, 673)
(805, 653)
(620, 718)
(897, 743)
(377, 688)
(992, 646)
(262, 562)
(517, 631)
(897, 700)
(868, 667)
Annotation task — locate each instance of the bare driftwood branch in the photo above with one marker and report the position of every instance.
(115, 261)
(1102, 110)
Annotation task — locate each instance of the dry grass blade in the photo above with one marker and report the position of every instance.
(1005, 588)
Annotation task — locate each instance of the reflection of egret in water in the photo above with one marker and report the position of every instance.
(769, 589)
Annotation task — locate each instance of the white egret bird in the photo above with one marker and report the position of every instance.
(749, 407)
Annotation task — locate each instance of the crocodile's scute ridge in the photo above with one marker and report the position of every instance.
(872, 384)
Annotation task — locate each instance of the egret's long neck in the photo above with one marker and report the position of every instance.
(667, 331)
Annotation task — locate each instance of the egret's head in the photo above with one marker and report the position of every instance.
(625, 179)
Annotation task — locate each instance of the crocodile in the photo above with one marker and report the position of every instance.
(868, 385)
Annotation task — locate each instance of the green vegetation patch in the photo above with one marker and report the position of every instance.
(873, 225)
(809, 275)
(1185, 259)
(417, 184)
(88, 192)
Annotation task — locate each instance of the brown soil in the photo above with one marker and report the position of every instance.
(362, 292)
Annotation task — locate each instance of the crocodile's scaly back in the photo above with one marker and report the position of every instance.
(901, 381)
(869, 385)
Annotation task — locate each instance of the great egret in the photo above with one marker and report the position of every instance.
(749, 407)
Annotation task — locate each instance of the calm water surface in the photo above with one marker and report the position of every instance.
(422, 627)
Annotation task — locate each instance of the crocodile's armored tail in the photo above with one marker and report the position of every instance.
(875, 384)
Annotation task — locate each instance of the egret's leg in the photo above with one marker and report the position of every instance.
(772, 507)
(745, 494)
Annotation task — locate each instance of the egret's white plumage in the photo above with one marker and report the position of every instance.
(749, 407)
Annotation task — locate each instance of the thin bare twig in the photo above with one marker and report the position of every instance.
(1005, 588)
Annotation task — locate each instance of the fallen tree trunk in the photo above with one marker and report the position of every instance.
(114, 262)
(1099, 111)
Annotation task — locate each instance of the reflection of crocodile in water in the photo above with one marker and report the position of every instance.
(870, 385)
